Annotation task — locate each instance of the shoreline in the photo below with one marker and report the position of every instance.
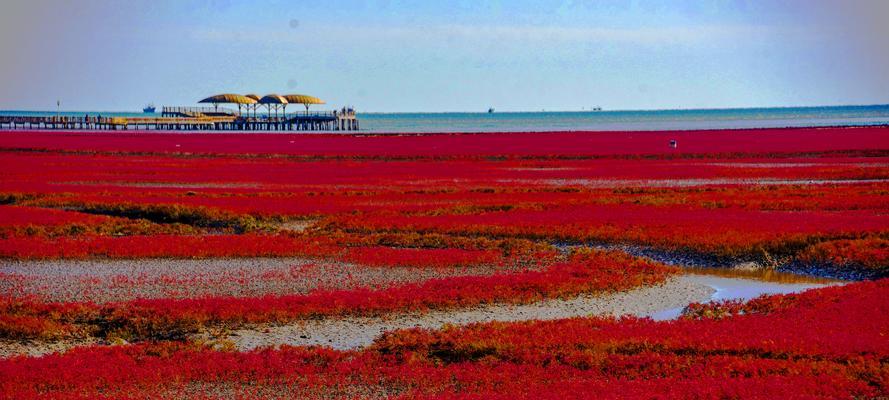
(360, 133)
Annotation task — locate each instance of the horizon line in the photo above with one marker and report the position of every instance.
(524, 111)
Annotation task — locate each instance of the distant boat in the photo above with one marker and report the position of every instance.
(149, 109)
(597, 108)
(491, 110)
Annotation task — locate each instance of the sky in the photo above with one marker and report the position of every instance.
(438, 56)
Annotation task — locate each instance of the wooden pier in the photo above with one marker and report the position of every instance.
(193, 119)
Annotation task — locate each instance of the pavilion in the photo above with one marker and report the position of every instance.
(271, 101)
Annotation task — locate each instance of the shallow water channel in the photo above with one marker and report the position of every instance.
(745, 285)
(661, 302)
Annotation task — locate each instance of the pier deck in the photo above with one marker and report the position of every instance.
(173, 121)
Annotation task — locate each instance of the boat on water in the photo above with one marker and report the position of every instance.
(149, 108)
(491, 110)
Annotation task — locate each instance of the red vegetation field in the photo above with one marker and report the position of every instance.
(825, 343)
(755, 141)
(376, 225)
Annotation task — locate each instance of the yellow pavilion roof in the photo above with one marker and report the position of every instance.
(230, 98)
(303, 99)
(273, 99)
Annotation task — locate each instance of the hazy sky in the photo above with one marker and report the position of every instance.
(432, 56)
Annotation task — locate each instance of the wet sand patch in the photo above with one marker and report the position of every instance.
(107, 280)
(355, 332)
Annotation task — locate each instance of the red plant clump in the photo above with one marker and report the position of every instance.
(24, 247)
(872, 253)
(727, 231)
(17, 216)
(823, 343)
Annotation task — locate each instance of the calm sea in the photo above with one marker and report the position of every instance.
(602, 120)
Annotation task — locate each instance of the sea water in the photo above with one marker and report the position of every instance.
(625, 120)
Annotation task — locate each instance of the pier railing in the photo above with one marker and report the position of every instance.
(196, 111)
(84, 122)
(312, 114)
(175, 119)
